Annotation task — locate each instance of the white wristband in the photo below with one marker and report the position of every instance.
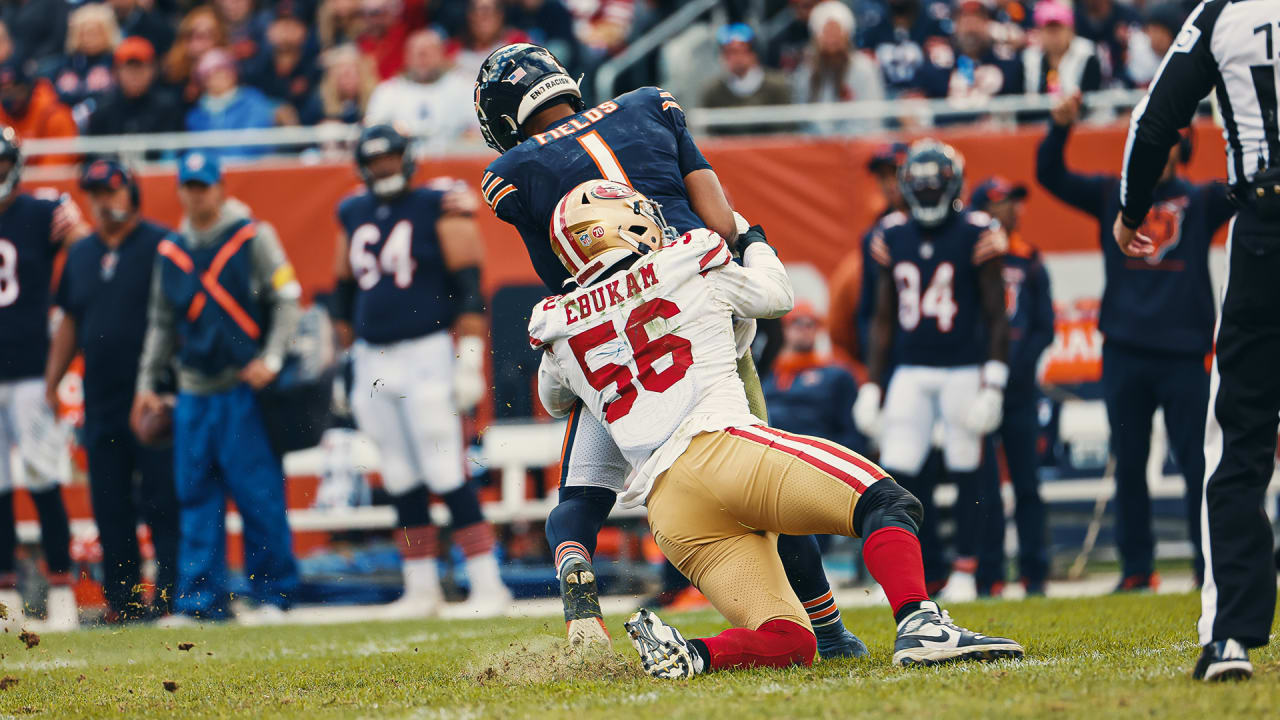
(995, 374)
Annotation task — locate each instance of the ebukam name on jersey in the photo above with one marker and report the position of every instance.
(607, 295)
(579, 123)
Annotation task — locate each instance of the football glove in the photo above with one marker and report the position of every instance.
(468, 373)
(988, 407)
(866, 410)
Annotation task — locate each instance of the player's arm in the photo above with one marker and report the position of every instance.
(708, 200)
(880, 336)
(1187, 74)
(553, 390)
(157, 348)
(1087, 193)
(760, 287)
(275, 275)
(463, 250)
(62, 349)
(68, 224)
(342, 303)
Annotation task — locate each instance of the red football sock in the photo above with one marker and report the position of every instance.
(777, 643)
(892, 556)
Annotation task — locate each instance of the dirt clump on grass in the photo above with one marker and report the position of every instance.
(29, 638)
(542, 660)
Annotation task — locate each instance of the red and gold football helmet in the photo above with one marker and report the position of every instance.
(599, 223)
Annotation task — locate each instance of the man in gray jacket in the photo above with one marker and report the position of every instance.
(224, 302)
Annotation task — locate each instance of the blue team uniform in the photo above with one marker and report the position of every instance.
(1157, 319)
(28, 244)
(639, 138)
(943, 325)
(418, 300)
(903, 53)
(814, 399)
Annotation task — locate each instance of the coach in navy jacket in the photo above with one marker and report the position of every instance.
(1157, 321)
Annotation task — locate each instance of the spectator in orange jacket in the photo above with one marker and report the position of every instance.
(31, 107)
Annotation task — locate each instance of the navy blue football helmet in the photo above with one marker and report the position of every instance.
(515, 82)
(931, 179)
(376, 141)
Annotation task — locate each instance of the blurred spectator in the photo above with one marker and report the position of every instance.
(744, 82)
(786, 49)
(137, 19)
(1148, 48)
(92, 35)
(832, 70)
(808, 392)
(383, 34)
(227, 105)
(978, 69)
(904, 41)
(1060, 61)
(38, 29)
(602, 26)
(246, 31)
(485, 31)
(549, 24)
(1110, 25)
(6, 43)
(338, 22)
(427, 101)
(344, 92)
(31, 107)
(136, 104)
(287, 70)
(199, 32)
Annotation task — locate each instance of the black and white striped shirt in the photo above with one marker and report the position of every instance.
(1233, 48)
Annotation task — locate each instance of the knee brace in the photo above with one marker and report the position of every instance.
(887, 504)
(579, 516)
(413, 508)
(464, 507)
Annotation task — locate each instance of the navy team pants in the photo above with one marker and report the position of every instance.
(221, 450)
(1134, 383)
(127, 480)
(1018, 433)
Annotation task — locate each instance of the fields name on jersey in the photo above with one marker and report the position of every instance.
(581, 305)
(579, 123)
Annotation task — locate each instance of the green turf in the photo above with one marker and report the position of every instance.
(1118, 656)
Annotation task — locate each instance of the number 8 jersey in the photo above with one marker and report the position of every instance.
(935, 272)
(650, 349)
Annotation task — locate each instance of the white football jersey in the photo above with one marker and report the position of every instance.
(651, 350)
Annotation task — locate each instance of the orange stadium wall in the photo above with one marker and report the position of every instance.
(814, 196)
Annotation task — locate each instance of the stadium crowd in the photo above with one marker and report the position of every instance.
(139, 66)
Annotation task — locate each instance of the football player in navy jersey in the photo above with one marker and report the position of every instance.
(940, 308)
(531, 111)
(409, 274)
(32, 230)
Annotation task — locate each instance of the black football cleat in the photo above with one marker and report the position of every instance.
(582, 617)
(1223, 660)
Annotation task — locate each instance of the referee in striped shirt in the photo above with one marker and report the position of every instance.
(1229, 46)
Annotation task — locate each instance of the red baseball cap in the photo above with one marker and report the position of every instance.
(135, 49)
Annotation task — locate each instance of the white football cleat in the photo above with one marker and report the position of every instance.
(61, 613)
(484, 604)
(664, 653)
(961, 587)
(414, 604)
(928, 637)
(265, 614)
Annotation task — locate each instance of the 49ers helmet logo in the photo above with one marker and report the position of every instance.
(609, 190)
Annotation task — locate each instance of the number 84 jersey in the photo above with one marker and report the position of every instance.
(650, 350)
(935, 274)
(404, 287)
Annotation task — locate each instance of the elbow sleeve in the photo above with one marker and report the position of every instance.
(466, 289)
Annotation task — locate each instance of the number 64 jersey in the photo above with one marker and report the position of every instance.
(650, 349)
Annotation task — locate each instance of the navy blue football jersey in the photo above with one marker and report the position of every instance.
(31, 232)
(404, 287)
(935, 271)
(639, 139)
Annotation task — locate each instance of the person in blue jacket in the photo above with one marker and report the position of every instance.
(1157, 321)
(227, 105)
(1029, 304)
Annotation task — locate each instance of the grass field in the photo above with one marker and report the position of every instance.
(1118, 656)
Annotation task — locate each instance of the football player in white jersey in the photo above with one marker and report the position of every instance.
(646, 342)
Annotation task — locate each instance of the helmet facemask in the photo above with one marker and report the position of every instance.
(930, 180)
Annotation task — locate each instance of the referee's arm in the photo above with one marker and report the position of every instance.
(1186, 75)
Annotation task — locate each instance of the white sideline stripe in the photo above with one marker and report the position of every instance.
(1212, 458)
(818, 452)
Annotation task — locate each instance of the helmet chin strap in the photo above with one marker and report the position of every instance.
(389, 186)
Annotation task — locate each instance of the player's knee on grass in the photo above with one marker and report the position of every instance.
(887, 504)
(579, 516)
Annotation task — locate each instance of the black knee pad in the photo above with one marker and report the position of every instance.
(413, 508)
(464, 507)
(887, 504)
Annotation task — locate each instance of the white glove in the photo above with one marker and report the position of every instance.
(866, 410)
(468, 373)
(988, 406)
(740, 222)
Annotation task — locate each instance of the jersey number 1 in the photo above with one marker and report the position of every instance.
(645, 350)
(938, 301)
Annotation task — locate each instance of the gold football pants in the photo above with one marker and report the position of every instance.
(717, 511)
